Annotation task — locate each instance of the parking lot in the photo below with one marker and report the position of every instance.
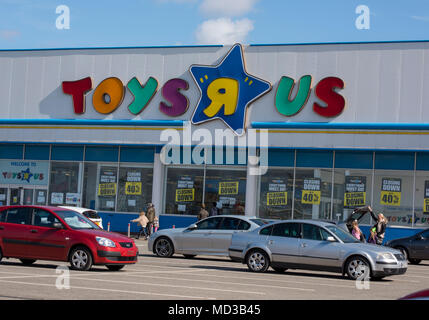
(203, 277)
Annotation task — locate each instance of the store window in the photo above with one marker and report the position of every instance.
(64, 183)
(421, 201)
(352, 189)
(135, 188)
(276, 194)
(100, 186)
(225, 189)
(393, 195)
(312, 194)
(184, 190)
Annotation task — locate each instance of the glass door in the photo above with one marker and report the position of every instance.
(15, 196)
(3, 196)
(40, 196)
(28, 196)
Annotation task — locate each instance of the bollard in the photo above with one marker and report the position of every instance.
(108, 226)
(129, 229)
(174, 226)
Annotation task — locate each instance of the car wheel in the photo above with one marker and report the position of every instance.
(257, 261)
(189, 256)
(81, 259)
(357, 268)
(115, 267)
(279, 270)
(27, 262)
(414, 261)
(164, 248)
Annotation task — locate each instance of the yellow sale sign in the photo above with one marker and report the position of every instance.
(390, 198)
(228, 188)
(133, 188)
(185, 195)
(310, 197)
(354, 199)
(276, 198)
(107, 189)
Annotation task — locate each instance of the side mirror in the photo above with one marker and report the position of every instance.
(331, 239)
(192, 227)
(419, 237)
(57, 225)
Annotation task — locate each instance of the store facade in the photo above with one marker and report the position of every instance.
(333, 126)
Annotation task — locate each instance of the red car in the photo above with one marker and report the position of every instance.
(30, 233)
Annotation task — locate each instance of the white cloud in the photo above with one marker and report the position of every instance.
(228, 8)
(9, 34)
(420, 18)
(223, 31)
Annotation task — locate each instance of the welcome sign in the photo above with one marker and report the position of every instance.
(24, 172)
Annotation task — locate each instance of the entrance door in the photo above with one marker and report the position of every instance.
(15, 196)
(3, 196)
(28, 196)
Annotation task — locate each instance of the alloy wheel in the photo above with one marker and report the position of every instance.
(80, 259)
(257, 261)
(163, 248)
(357, 269)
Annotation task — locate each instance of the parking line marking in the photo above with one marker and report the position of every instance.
(111, 290)
(229, 283)
(168, 285)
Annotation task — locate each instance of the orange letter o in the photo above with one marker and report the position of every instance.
(112, 87)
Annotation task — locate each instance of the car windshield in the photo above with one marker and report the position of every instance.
(259, 222)
(91, 214)
(76, 220)
(343, 235)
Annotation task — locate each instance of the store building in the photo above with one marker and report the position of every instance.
(336, 126)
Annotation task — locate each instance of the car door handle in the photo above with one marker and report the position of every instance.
(270, 241)
(303, 245)
(33, 231)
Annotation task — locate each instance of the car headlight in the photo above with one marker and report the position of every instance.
(385, 256)
(104, 242)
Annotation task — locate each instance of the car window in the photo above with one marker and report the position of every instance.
(244, 225)
(3, 216)
(312, 232)
(425, 234)
(229, 224)
(266, 231)
(209, 224)
(289, 230)
(345, 236)
(91, 214)
(18, 215)
(42, 218)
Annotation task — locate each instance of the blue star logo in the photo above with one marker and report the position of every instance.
(26, 175)
(226, 91)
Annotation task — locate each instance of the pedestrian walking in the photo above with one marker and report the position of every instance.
(151, 217)
(143, 221)
(156, 224)
(203, 212)
(214, 211)
(356, 232)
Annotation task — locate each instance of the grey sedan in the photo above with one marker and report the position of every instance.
(210, 236)
(314, 245)
(414, 248)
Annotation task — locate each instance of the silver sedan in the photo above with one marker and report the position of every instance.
(314, 245)
(210, 236)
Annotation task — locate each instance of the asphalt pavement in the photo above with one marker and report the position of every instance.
(201, 278)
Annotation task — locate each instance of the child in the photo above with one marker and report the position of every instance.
(356, 232)
(373, 236)
(156, 223)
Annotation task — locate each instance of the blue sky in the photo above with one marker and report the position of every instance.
(29, 24)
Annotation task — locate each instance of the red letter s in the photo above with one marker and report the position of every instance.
(325, 92)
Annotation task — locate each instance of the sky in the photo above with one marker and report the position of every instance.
(42, 24)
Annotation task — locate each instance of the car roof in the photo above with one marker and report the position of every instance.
(78, 209)
(33, 206)
(322, 223)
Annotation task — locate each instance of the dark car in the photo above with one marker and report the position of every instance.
(415, 248)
